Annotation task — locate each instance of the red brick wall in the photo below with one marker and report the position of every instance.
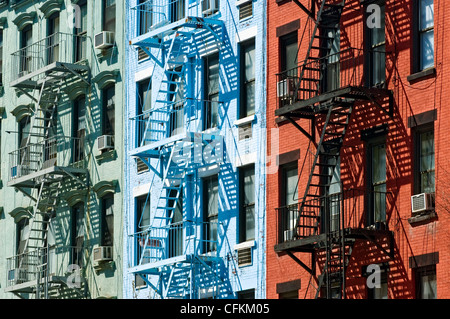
(409, 98)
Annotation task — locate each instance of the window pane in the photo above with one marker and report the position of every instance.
(427, 49)
(291, 56)
(213, 74)
(428, 285)
(213, 197)
(378, 164)
(291, 186)
(426, 14)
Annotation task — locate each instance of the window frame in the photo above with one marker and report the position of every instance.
(244, 108)
(417, 133)
(245, 207)
(210, 230)
(107, 226)
(417, 47)
(211, 98)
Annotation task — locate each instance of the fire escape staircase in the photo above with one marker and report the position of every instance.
(176, 274)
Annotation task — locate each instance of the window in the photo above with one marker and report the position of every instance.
(210, 211)
(288, 295)
(142, 224)
(334, 192)
(288, 53)
(333, 61)
(247, 203)
(379, 286)
(79, 127)
(109, 106)
(24, 159)
(176, 238)
(144, 104)
(247, 105)
(81, 33)
(425, 166)
(423, 35)
(77, 233)
(145, 16)
(426, 287)
(107, 205)
(53, 38)
(211, 91)
(177, 114)
(376, 42)
(22, 230)
(109, 15)
(177, 10)
(142, 213)
(25, 54)
(377, 183)
(288, 200)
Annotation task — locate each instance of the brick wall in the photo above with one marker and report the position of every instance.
(425, 94)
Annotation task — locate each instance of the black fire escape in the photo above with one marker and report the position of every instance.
(326, 88)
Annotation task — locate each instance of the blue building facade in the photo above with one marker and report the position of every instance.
(195, 141)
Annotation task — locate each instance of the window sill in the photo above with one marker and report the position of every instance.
(430, 72)
(245, 244)
(422, 218)
(245, 120)
(106, 156)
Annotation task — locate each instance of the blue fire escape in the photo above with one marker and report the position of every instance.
(172, 255)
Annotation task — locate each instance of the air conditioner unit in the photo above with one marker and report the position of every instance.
(17, 276)
(285, 88)
(105, 142)
(17, 171)
(103, 253)
(422, 202)
(104, 39)
(288, 235)
(210, 6)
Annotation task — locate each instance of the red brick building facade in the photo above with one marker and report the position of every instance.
(357, 119)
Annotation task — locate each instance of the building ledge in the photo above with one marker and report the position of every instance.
(430, 72)
(422, 218)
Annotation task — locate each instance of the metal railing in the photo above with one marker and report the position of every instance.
(187, 237)
(156, 13)
(54, 151)
(346, 209)
(335, 71)
(158, 124)
(58, 47)
(43, 262)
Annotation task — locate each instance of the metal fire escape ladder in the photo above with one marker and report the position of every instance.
(48, 190)
(328, 17)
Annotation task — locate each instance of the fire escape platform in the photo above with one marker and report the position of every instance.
(312, 243)
(29, 180)
(30, 286)
(305, 108)
(54, 69)
(154, 268)
(166, 28)
(152, 150)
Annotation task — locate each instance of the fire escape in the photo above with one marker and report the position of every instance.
(171, 250)
(46, 162)
(326, 88)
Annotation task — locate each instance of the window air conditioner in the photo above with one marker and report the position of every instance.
(422, 202)
(285, 88)
(104, 40)
(103, 253)
(105, 142)
(17, 171)
(210, 6)
(288, 235)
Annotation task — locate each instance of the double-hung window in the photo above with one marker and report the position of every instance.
(423, 35)
(211, 91)
(247, 105)
(247, 203)
(210, 212)
(425, 182)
